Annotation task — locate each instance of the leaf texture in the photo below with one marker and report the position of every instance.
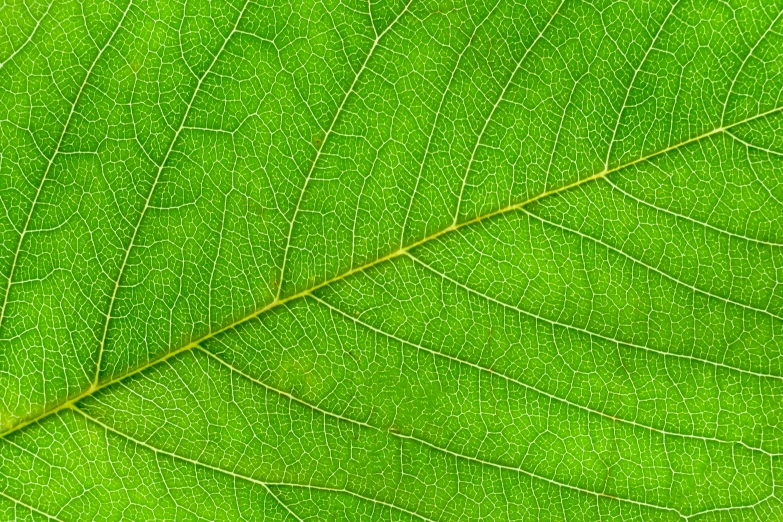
(391, 260)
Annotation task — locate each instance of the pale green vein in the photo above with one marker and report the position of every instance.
(412, 438)
(688, 218)
(511, 208)
(585, 331)
(477, 460)
(282, 504)
(395, 434)
(729, 509)
(499, 100)
(29, 507)
(752, 146)
(317, 157)
(71, 112)
(162, 165)
(239, 476)
(33, 454)
(558, 134)
(29, 38)
(533, 388)
(744, 62)
(633, 82)
(438, 113)
(656, 270)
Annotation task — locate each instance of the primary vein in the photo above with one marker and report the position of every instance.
(283, 300)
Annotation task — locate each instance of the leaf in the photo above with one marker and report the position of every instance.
(391, 260)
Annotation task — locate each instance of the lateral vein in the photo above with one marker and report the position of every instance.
(281, 301)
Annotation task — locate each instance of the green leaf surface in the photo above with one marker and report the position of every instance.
(391, 260)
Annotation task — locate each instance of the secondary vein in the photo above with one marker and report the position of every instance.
(281, 301)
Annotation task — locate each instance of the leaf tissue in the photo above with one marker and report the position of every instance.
(399, 260)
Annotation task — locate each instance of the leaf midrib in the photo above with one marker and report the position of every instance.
(281, 301)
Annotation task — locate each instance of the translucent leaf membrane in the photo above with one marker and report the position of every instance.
(391, 260)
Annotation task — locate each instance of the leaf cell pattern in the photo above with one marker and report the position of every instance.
(391, 260)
